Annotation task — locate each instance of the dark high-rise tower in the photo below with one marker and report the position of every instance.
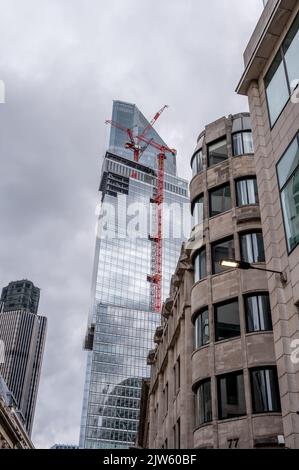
(19, 295)
(22, 333)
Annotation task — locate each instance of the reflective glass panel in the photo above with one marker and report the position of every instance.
(276, 88)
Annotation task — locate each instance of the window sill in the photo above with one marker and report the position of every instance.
(201, 426)
(231, 420)
(211, 217)
(221, 341)
(206, 346)
(200, 281)
(217, 164)
(223, 272)
(244, 155)
(259, 332)
(266, 413)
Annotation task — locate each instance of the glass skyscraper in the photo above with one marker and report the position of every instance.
(122, 321)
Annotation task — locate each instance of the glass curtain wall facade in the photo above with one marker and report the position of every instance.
(121, 321)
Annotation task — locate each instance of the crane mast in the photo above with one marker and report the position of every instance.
(135, 144)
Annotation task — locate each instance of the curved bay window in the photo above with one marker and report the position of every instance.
(242, 143)
(201, 324)
(197, 211)
(258, 313)
(200, 265)
(252, 247)
(265, 390)
(247, 192)
(197, 163)
(203, 403)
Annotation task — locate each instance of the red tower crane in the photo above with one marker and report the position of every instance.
(156, 277)
(134, 144)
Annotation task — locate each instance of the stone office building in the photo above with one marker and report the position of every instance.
(213, 377)
(13, 434)
(270, 81)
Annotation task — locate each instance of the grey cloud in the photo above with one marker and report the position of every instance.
(63, 62)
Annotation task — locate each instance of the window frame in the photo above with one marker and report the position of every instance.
(193, 204)
(251, 232)
(213, 190)
(222, 304)
(194, 259)
(277, 390)
(246, 178)
(241, 132)
(177, 376)
(199, 313)
(195, 156)
(281, 189)
(214, 142)
(219, 242)
(219, 401)
(245, 298)
(207, 410)
(280, 51)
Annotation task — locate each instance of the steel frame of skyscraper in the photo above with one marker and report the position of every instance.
(121, 320)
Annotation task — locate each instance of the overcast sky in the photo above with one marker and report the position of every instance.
(63, 62)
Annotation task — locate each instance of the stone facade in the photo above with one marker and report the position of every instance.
(12, 431)
(271, 140)
(178, 415)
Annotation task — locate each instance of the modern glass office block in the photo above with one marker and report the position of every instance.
(122, 322)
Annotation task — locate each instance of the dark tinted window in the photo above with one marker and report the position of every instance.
(222, 250)
(203, 403)
(231, 396)
(227, 320)
(220, 200)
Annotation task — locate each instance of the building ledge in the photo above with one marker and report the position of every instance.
(158, 334)
(264, 39)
